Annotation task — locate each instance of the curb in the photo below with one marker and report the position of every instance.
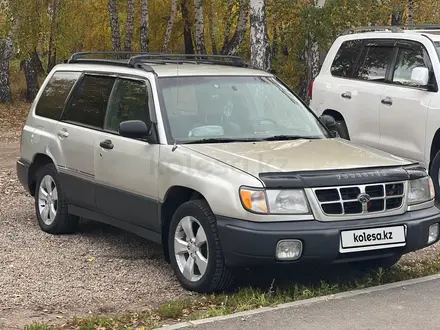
(341, 295)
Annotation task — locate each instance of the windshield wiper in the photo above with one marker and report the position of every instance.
(218, 140)
(289, 137)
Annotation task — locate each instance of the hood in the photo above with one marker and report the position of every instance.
(299, 155)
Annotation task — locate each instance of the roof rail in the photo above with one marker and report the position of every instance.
(391, 28)
(141, 60)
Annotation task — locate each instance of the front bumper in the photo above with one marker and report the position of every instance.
(246, 243)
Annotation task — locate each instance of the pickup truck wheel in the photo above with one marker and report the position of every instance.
(50, 204)
(195, 252)
(435, 175)
(385, 263)
(342, 129)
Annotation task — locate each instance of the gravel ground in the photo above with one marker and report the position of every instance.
(100, 270)
(46, 277)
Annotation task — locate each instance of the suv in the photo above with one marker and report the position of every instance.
(382, 87)
(220, 163)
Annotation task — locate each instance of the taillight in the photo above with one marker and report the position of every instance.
(311, 90)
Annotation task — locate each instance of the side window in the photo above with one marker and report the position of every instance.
(51, 102)
(375, 63)
(345, 59)
(129, 102)
(89, 104)
(407, 60)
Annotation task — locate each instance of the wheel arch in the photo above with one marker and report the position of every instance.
(335, 114)
(174, 197)
(435, 147)
(38, 161)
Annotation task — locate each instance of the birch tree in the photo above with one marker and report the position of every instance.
(199, 27)
(114, 25)
(145, 42)
(211, 27)
(187, 35)
(129, 26)
(55, 11)
(231, 46)
(260, 48)
(6, 48)
(411, 12)
(170, 25)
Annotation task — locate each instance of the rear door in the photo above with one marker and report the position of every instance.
(81, 122)
(404, 106)
(363, 94)
(126, 169)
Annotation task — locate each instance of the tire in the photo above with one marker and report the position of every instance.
(384, 263)
(434, 172)
(57, 221)
(193, 215)
(343, 130)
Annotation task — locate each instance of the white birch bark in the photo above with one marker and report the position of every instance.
(144, 26)
(114, 25)
(129, 26)
(170, 25)
(199, 27)
(260, 48)
(411, 12)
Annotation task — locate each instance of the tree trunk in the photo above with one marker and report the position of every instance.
(187, 35)
(129, 26)
(200, 27)
(114, 25)
(312, 66)
(411, 12)
(31, 74)
(233, 45)
(170, 25)
(397, 16)
(5, 81)
(36, 62)
(145, 42)
(52, 56)
(228, 22)
(260, 48)
(211, 27)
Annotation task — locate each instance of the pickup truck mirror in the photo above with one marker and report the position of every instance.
(420, 76)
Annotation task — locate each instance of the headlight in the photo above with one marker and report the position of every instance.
(274, 201)
(421, 190)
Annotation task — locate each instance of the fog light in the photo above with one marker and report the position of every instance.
(289, 249)
(433, 233)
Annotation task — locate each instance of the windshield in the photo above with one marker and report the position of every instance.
(244, 108)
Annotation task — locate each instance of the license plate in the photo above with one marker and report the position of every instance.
(372, 239)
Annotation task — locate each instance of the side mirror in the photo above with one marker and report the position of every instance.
(135, 129)
(331, 124)
(420, 76)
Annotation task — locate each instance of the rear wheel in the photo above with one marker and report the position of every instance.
(50, 204)
(195, 252)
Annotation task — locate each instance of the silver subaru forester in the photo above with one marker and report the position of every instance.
(220, 163)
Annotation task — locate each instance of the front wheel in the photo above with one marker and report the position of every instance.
(195, 252)
(435, 175)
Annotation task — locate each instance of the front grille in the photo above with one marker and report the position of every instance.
(361, 199)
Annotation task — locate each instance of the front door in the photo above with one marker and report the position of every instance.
(126, 169)
(404, 106)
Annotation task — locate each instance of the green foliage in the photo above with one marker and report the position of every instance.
(38, 326)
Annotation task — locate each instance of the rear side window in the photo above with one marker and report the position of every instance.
(89, 104)
(346, 58)
(51, 102)
(375, 63)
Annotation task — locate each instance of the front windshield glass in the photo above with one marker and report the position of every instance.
(235, 108)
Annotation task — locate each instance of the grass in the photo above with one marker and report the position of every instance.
(38, 326)
(204, 306)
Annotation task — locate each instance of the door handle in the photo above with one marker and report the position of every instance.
(387, 101)
(106, 144)
(62, 133)
(346, 95)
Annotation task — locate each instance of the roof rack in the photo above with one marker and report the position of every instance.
(391, 28)
(141, 60)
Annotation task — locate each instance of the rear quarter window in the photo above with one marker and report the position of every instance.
(345, 60)
(52, 100)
